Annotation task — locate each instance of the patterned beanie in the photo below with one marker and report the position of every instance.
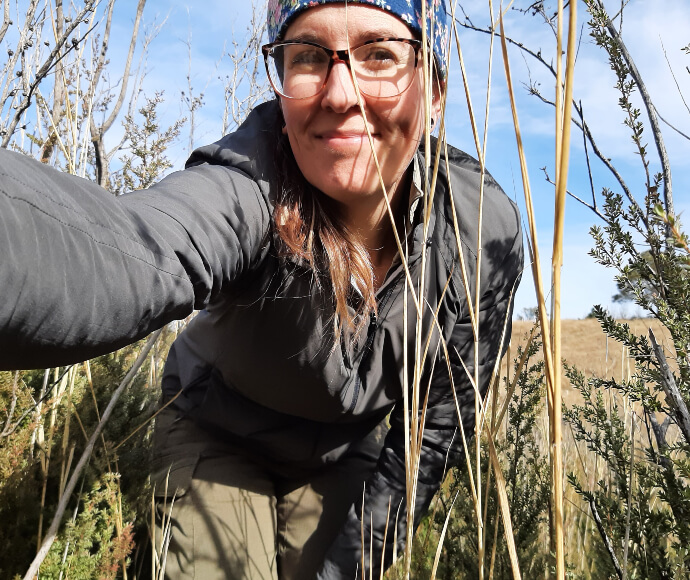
(282, 12)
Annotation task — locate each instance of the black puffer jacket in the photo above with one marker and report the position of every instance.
(89, 273)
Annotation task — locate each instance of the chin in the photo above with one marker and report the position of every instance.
(344, 176)
(349, 188)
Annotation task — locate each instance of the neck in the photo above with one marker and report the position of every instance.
(372, 224)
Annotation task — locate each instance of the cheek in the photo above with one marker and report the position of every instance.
(406, 123)
(408, 115)
(295, 117)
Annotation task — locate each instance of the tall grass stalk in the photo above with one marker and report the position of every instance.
(474, 307)
(412, 408)
(551, 333)
(563, 124)
(413, 433)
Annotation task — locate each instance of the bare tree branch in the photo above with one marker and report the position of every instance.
(192, 102)
(660, 437)
(532, 89)
(589, 166)
(674, 128)
(651, 111)
(6, 430)
(575, 197)
(5, 19)
(246, 70)
(98, 132)
(49, 63)
(58, 90)
(582, 125)
(604, 535)
(46, 391)
(673, 397)
(9, 89)
(675, 80)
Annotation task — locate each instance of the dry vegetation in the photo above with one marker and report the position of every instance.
(629, 482)
(587, 347)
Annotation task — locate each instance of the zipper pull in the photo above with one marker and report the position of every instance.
(372, 321)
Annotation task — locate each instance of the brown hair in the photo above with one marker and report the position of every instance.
(309, 226)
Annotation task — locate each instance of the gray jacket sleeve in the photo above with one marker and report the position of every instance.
(442, 445)
(84, 272)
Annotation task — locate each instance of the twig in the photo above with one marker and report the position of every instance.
(6, 431)
(673, 397)
(674, 127)
(651, 110)
(5, 18)
(589, 165)
(675, 80)
(626, 544)
(604, 536)
(86, 454)
(45, 393)
(537, 55)
(52, 60)
(594, 208)
(582, 125)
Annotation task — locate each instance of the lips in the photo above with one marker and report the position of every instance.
(345, 134)
(339, 139)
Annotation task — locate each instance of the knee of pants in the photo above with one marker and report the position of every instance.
(209, 525)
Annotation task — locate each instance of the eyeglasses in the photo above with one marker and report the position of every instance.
(383, 67)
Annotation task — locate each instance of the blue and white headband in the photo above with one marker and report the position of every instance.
(282, 12)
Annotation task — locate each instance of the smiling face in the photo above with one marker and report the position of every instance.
(327, 132)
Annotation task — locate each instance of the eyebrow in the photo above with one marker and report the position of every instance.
(370, 34)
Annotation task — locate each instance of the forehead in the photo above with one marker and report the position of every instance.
(334, 23)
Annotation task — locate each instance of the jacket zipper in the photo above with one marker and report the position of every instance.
(371, 332)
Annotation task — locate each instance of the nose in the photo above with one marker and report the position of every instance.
(339, 93)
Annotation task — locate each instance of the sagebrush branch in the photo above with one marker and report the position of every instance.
(651, 111)
(604, 536)
(673, 397)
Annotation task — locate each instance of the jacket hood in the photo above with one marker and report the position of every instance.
(251, 148)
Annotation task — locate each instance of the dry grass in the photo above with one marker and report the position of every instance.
(586, 347)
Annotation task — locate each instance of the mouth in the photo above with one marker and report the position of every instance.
(345, 138)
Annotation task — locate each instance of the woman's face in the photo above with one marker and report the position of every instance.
(327, 132)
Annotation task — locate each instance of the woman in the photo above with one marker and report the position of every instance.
(273, 442)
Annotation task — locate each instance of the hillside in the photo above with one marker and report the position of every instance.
(589, 349)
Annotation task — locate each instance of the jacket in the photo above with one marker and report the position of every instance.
(258, 362)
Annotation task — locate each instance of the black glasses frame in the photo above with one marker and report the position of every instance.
(335, 56)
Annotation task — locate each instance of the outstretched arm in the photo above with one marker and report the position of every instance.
(84, 272)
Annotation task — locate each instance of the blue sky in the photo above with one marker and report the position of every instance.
(646, 27)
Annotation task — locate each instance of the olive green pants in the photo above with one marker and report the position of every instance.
(221, 514)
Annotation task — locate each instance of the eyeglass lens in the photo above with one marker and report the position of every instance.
(383, 69)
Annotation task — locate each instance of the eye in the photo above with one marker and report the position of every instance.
(378, 56)
(301, 57)
(384, 56)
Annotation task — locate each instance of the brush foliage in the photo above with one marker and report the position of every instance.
(637, 430)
